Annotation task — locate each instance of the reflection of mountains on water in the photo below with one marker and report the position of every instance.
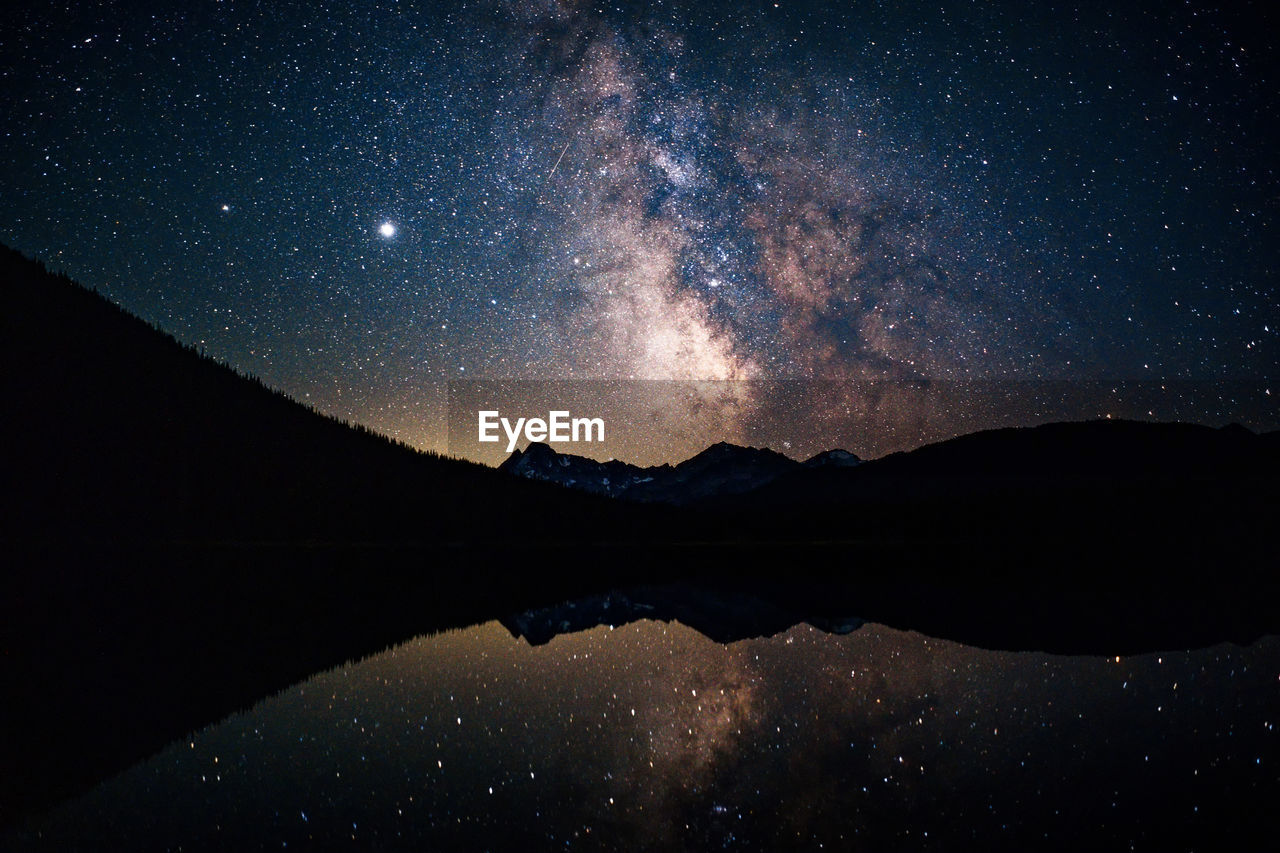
(651, 736)
(724, 616)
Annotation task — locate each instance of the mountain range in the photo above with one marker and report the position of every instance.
(721, 469)
(1057, 456)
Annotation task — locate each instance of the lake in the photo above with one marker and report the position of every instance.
(650, 735)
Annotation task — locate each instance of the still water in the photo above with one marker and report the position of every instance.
(649, 735)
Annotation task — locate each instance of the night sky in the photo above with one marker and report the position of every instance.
(360, 202)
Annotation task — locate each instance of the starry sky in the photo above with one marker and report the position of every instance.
(362, 202)
(650, 736)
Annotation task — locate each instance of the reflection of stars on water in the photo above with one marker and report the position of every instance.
(656, 732)
(387, 230)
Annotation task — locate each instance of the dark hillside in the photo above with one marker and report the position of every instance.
(116, 431)
(179, 541)
(1176, 493)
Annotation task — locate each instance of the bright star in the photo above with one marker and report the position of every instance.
(387, 230)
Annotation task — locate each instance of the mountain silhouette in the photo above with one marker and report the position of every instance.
(1061, 455)
(721, 469)
(1178, 493)
(121, 433)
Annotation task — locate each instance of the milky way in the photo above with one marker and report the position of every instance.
(363, 203)
(725, 233)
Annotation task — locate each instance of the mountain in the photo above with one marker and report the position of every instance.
(115, 431)
(722, 469)
(833, 458)
(540, 462)
(1026, 460)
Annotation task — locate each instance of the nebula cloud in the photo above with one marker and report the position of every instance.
(708, 233)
